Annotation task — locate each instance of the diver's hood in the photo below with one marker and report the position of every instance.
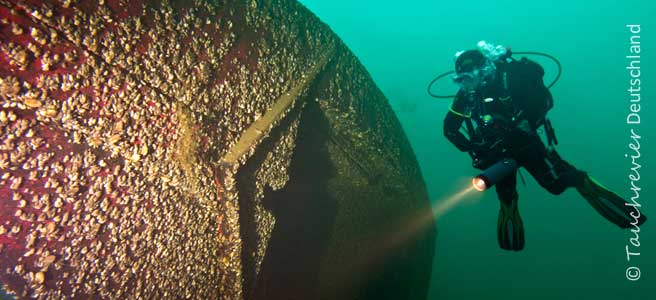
(476, 68)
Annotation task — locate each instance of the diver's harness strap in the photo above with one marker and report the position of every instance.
(458, 113)
(550, 133)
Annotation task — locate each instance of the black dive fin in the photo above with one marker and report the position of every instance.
(510, 229)
(610, 205)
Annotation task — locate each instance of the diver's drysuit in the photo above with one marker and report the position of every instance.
(501, 119)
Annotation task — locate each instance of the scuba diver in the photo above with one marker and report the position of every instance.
(502, 103)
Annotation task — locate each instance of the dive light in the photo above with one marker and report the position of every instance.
(494, 174)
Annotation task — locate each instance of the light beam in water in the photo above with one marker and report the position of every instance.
(441, 207)
(404, 231)
(416, 224)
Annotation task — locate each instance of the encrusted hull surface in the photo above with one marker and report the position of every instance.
(199, 149)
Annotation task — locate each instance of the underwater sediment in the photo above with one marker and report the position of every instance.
(199, 149)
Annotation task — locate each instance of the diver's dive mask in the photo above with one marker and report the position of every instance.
(476, 78)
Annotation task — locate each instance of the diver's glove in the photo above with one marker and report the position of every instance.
(486, 153)
(479, 152)
(478, 147)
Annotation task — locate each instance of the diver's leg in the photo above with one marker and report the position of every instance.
(555, 174)
(548, 168)
(510, 229)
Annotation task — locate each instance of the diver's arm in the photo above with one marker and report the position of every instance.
(453, 122)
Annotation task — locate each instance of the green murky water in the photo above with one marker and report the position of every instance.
(571, 252)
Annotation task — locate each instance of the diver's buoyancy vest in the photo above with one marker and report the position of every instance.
(517, 92)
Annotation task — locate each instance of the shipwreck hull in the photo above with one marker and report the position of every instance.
(199, 149)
